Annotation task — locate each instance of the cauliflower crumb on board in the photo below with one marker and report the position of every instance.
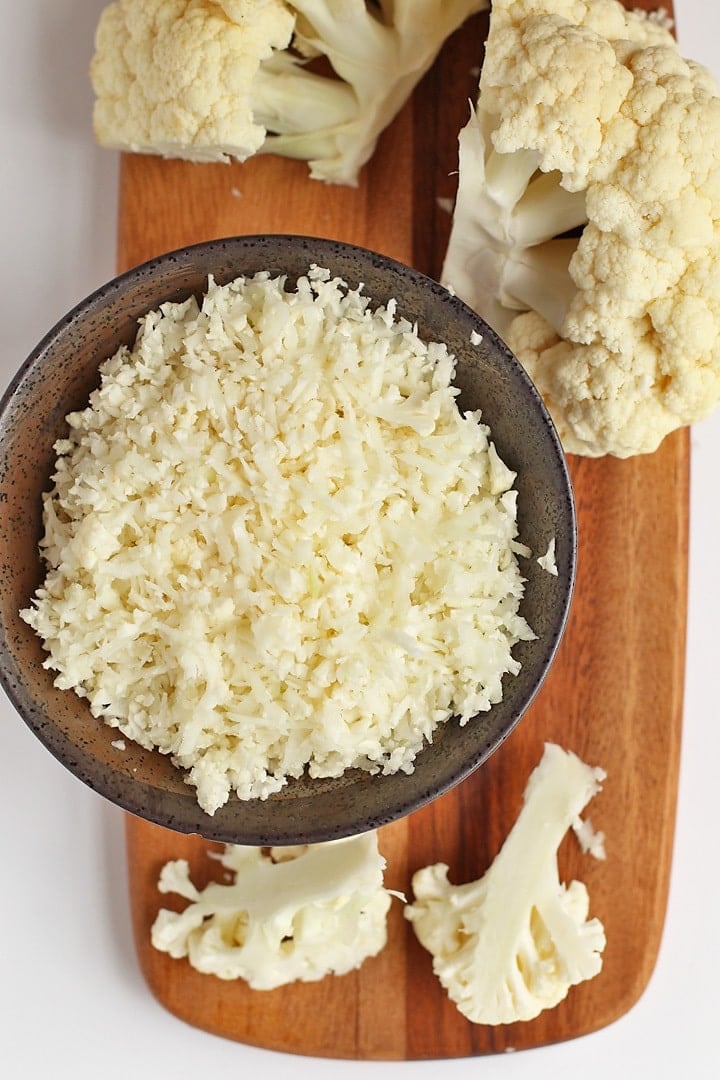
(512, 944)
(289, 914)
(274, 544)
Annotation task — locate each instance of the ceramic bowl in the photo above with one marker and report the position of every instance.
(57, 379)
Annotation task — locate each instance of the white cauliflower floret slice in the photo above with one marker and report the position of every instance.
(209, 79)
(590, 122)
(291, 914)
(512, 944)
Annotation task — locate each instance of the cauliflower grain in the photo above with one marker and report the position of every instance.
(288, 915)
(512, 944)
(274, 544)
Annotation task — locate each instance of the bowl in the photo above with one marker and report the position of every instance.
(58, 377)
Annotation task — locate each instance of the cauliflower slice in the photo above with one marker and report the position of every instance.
(590, 121)
(512, 944)
(210, 79)
(291, 913)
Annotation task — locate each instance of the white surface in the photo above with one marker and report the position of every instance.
(72, 1000)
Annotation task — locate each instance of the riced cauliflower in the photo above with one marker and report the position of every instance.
(512, 944)
(211, 80)
(590, 122)
(290, 914)
(274, 544)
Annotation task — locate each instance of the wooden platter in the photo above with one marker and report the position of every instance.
(614, 695)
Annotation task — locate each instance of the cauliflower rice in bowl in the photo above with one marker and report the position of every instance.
(275, 513)
(274, 543)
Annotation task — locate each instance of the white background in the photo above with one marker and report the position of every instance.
(72, 1000)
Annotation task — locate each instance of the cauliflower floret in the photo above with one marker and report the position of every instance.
(209, 79)
(512, 944)
(175, 77)
(291, 914)
(589, 119)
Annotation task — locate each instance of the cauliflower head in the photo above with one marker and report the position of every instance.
(212, 80)
(175, 77)
(590, 122)
(296, 913)
(512, 944)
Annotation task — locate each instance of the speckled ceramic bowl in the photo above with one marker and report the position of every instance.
(58, 377)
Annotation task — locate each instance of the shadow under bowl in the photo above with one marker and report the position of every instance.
(58, 377)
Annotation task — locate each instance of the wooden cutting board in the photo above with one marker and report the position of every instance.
(614, 695)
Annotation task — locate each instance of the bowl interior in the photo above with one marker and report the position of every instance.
(58, 378)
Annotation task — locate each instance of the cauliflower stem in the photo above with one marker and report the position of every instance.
(503, 255)
(512, 944)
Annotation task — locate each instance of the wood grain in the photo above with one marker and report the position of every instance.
(614, 695)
